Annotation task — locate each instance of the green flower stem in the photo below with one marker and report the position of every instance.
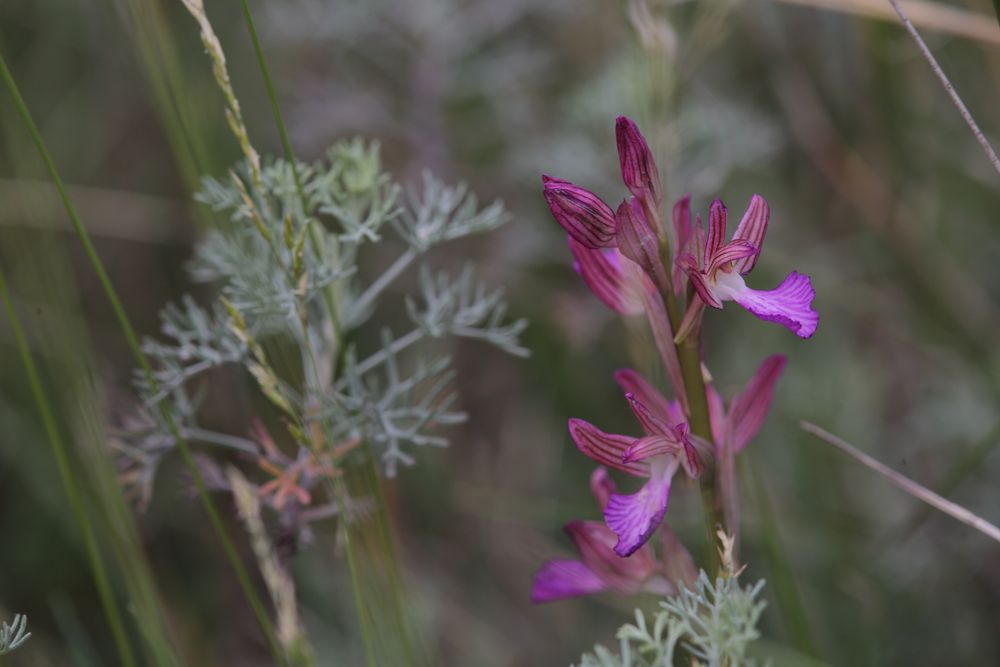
(133, 343)
(66, 476)
(689, 355)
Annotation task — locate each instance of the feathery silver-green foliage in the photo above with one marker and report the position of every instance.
(290, 274)
(14, 634)
(714, 625)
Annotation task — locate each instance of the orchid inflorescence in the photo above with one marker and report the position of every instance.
(632, 264)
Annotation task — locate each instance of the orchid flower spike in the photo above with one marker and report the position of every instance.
(717, 275)
(666, 447)
(600, 569)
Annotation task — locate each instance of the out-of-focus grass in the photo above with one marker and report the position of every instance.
(876, 190)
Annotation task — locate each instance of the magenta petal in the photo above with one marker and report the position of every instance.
(602, 486)
(716, 413)
(637, 241)
(639, 171)
(690, 266)
(716, 229)
(650, 446)
(681, 215)
(752, 228)
(789, 304)
(652, 423)
(602, 271)
(635, 518)
(632, 382)
(560, 579)
(605, 448)
(749, 408)
(596, 542)
(580, 212)
(737, 249)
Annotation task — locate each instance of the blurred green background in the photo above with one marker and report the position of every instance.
(877, 190)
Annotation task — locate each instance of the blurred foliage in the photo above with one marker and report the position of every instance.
(876, 189)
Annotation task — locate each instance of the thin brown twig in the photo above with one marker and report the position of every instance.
(919, 492)
(950, 89)
(935, 16)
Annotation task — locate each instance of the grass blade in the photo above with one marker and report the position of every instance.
(133, 343)
(47, 415)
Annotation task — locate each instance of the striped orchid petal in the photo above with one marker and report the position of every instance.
(752, 229)
(605, 448)
(735, 250)
(698, 280)
(632, 382)
(639, 171)
(650, 446)
(653, 423)
(716, 229)
(637, 240)
(580, 212)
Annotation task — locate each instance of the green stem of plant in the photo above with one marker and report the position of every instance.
(68, 480)
(388, 544)
(689, 356)
(133, 342)
(356, 584)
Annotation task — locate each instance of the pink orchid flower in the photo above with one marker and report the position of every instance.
(666, 447)
(600, 569)
(717, 273)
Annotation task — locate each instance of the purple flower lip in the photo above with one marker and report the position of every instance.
(717, 275)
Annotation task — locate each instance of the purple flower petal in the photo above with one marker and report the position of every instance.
(650, 446)
(561, 579)
(690, 266)
(683, 234)
(580, 212)
(716, 229)
(749, 408)
(716, 413)
(596, 542)
(602, 486)
(637, 241)
(602, 271)
(639, 171)
(789, 304)
(752, 228)
(632, 382)
(605, 448)
(635, 518)
(652, 423)
(681, 216)
(735, 250)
